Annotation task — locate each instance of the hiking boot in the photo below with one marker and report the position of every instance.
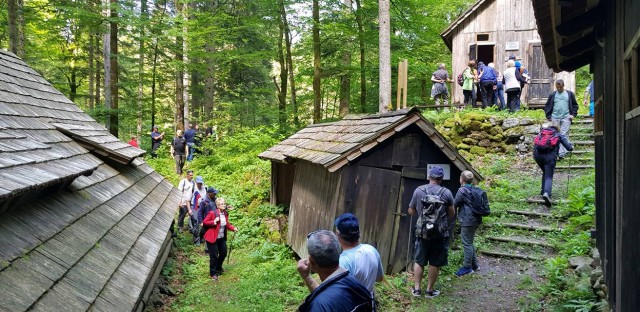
(464, 271)
(547, 199)
(214, 277)
(416, 292)
(432, 294)
(474, 267)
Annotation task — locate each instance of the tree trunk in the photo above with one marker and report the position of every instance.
(153, 82)
(195, 87)
(287, 41)
(317, 96)
(345, 84)
(363, 80)
(98, 73)
(113, 115)
(179, 108)
(91, 61)
(385, 56)
(141, 72)
(16, 27)
(209, 80)
(106, 44)
(282, 89)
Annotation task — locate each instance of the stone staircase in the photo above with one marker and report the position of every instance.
(582, 137)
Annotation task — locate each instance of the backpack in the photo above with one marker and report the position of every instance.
(460, 79)
(477, 200)
(433, 220)
(546, 140)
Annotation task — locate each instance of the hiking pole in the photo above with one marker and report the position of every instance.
(233, 237)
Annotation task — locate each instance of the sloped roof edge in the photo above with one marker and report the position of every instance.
(124, 155)
(446, 34)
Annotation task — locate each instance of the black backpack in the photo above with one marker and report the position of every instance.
(476, 199)
(433, 221)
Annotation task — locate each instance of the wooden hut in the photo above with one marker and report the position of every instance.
(84, 222)
(369, 165)
(492, 30)
(606, 35)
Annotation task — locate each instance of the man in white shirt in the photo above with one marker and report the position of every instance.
(361, 260)
(186, 190)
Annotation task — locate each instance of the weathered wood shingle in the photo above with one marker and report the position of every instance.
(98, 230)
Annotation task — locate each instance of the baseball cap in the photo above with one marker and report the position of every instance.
(212, 190)
(199, 179)
(348, 225)
(512, 57)
(436, 172)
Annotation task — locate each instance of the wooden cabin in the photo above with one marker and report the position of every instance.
(606, 36)
(368, 165)
(84, 222)
(492, 30)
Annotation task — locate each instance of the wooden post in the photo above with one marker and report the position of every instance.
(402, 85)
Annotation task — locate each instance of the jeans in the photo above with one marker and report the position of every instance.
(546, 162)
(192, 148)
(194, 228)
(467, 234)
(217, 254)
(486, 89)
(499, 94)
(183, 213)
(564, 129)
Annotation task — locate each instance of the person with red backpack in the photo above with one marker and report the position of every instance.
(545, 152)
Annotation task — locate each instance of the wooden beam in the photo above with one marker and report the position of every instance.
(579, 46)
(520, 241)
(508, 255)
(581, 22)
(530, 213)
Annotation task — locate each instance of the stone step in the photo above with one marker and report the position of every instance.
(575, 167)
(530, 213)
(529, 227)
(573, 135)
(584, 143)
(582, 151)
(500, 254)
(519, 240)
(583, 121)
(540, 201)
(583, 116)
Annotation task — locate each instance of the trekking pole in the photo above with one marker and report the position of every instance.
(233, 237)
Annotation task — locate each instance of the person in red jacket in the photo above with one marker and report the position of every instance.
(217, 223)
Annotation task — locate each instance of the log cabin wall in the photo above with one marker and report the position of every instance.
(502, 23)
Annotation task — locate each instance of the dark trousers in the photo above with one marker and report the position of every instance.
(217, 254)
(194, 227)
(467, 233)
(546, 162)
(468, 97)
(179, 163)
(486, 89)
(154, 147)
(512, 96)
(183, 212)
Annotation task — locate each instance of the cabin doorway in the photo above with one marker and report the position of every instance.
(485, 53)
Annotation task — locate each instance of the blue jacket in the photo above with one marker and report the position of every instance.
(206, 205)
(190, 135)
(488, 74)
(466, 217)
(340, 293)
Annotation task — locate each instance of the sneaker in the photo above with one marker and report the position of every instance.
(214, 277)
(547, 199)
(432, 294)
(416, 292)
(474, 267)
(464, 271)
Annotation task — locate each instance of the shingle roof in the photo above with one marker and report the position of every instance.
(92, 244)
(335, 144)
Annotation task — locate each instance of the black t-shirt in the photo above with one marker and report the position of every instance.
(179, 144)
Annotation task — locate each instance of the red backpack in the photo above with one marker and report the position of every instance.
(460, 79)
(547, 139)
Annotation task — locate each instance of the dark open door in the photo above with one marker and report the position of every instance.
(376, 198)
(541, 84)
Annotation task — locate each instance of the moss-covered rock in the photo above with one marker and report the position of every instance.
(475, 125)
(484, 143)
(463, 146)
(497, 137)
(486, 126)
(469, 141)
(477, 150)
(449, 123)
(496, 130)
(478, 135)
(515, 132)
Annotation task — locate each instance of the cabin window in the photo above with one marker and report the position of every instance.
(632, 81)
(482, 37)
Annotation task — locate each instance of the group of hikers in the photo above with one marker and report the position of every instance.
(208, 220)
(184, 145)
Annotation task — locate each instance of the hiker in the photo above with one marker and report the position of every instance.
(133, 142)
(588, 94)
(468, 76)
(179, 150)
(488, 81)
(216, 224)
(468, 199)
(440, 90)
(522, 75)
(545, 152)
(338, 291)
(190, 137)
(498, 92)
(512, 86)
(561, 108)
(199, 193)
(206, 205)
(156, 140)
(432, 251)
(361, 260)
(185, 187)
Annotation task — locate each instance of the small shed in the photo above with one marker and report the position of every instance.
(491, 31)
(368, 165)
(84, 222)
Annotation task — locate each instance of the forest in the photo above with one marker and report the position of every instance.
(231, 64)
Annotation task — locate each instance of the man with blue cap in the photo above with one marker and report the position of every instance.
(432, 251)
(361, 260)
(206, 205)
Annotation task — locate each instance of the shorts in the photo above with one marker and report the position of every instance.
(431, 251)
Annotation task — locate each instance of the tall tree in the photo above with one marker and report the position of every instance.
(292, 82)
(179, 61)
(317, 96)
(142, 33)
(113, 74)
(282, 88)
(16, 27)
(92, 60)
(345, 78)
(363, 80)
(385, 56)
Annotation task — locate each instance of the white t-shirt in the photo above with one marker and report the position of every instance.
(223, 225)
(363, 262)
(186, 188)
